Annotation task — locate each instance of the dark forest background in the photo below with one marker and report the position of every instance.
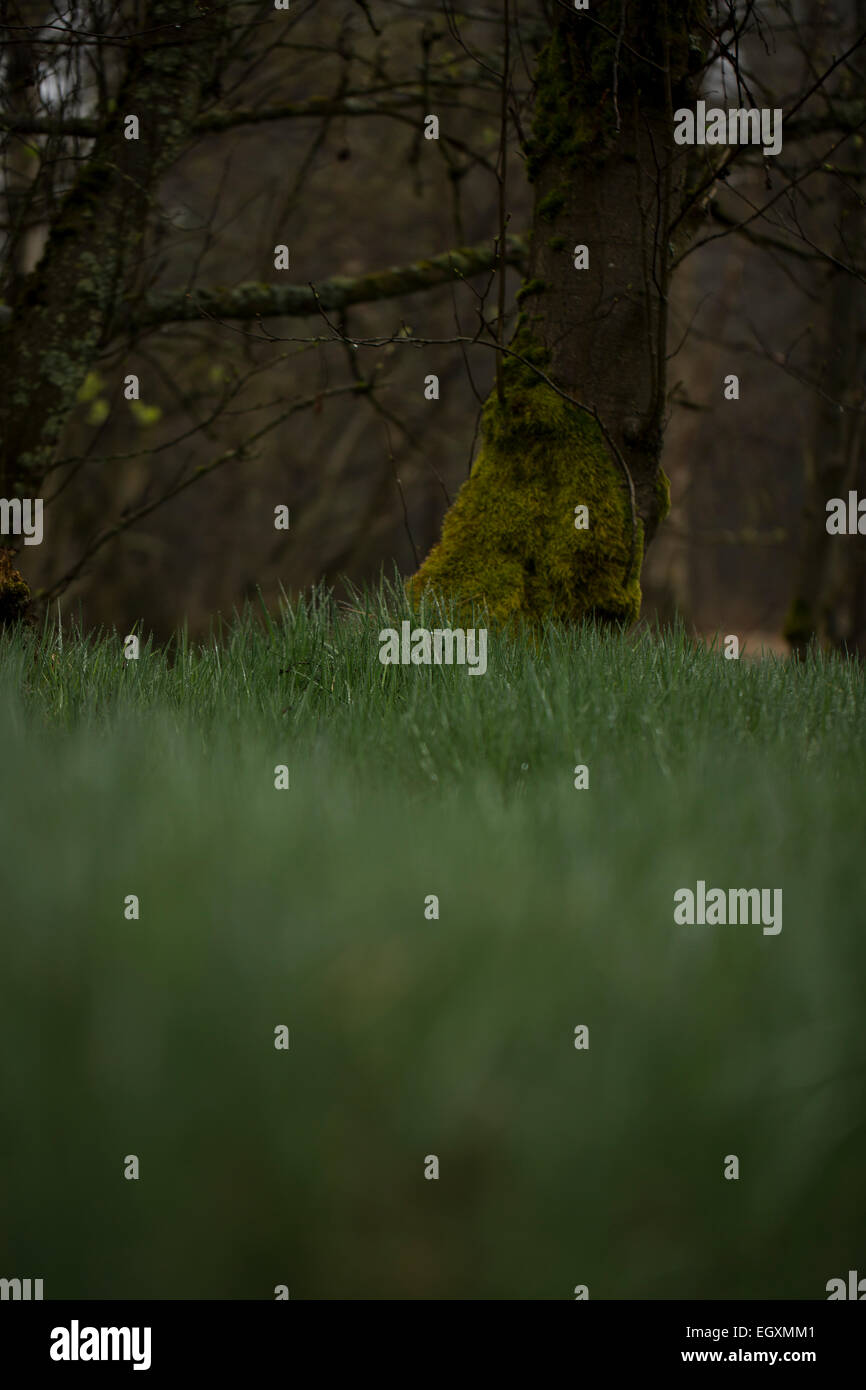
(367, 481)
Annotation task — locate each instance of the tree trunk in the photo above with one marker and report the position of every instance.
(580, 416)
(63, 312)
(829, 603)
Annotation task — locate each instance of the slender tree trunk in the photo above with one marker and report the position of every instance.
(829, 603)
(608, 177)
(18, 98)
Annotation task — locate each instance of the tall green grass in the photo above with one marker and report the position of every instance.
(412, 1037)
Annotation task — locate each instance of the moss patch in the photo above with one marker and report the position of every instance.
(509, 542)
(551, 205)
(14, 592)
(564, 124)
(529, 288)
(663, 493)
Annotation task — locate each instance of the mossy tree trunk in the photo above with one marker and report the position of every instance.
(62, 314)
(607, 177)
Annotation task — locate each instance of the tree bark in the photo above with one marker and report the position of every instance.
(582, 416)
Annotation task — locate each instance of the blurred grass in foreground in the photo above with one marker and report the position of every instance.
(412, 1037)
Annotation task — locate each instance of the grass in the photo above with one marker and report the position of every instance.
(412, 1037)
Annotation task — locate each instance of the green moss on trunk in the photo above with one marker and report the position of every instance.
(14, 593)
(663, 494)
(509, 542)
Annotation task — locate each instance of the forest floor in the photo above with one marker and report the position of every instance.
(477, 962)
